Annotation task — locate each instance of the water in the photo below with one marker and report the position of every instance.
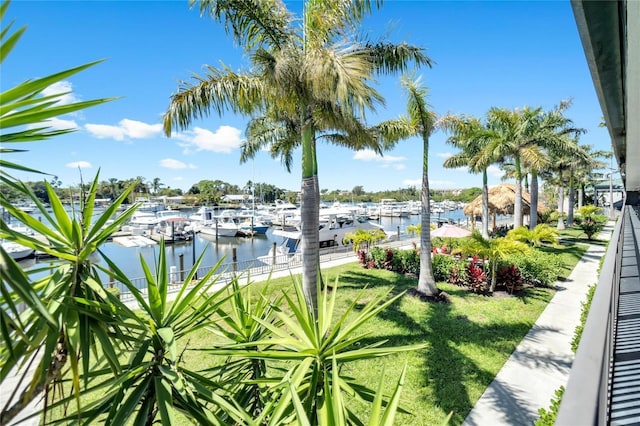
(128, 258)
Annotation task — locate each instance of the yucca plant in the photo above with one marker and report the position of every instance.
(68, 311)
(317, 349)
(154, 383)
(240, 322)
(541, 234)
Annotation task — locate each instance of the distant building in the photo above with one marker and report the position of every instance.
(237, 198)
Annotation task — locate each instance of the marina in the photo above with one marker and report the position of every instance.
(128, 247)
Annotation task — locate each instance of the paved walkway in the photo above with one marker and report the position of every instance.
(542, 361)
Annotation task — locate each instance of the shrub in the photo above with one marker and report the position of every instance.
(510, 277)
(382, 257)
(442, 265)
(591, 227)
(476, 277)
(408, 261)
(459, 274)
(536, 267)
(548, 418)
(583, 318)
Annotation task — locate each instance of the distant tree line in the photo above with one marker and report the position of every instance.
(210, 192)
(359, 195)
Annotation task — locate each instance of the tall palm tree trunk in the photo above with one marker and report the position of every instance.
(533, 215)
(485, 205)
(426, 281)
(517, 207)
(581, 196)
(572, 196)
(309, 219)
(561, 204)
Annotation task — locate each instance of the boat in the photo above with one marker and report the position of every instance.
(17, 251)
(173, 229)
(331, 234)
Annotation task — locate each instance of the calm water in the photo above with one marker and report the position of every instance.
(128, 258)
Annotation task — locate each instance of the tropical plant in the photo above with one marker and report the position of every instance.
(154, 383)
(589, 210)
(421, 122)
(495, 249)
(519, 135)
(306, 79)
(320, 346)
(68, 313)
(541, 234)
(364, 237)
(591, 227)
(472, 137)
(536, 267)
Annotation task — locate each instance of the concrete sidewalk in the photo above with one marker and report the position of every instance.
(542, 361)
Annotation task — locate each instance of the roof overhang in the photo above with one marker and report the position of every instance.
(600, 24)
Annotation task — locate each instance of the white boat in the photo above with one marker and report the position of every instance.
(17, 251)
(220, 229)
(331, 234)
(173, 229)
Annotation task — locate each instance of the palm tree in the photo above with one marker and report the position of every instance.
(421, 121)
(305, 79)
(472, 138)
(520, 133)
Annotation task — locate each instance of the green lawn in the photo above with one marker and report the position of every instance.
(467, 340)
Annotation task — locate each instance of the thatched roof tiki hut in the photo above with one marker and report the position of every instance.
(501, 201)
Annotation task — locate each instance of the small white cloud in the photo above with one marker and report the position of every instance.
(104, 131)
(61, 87)
(126, 128)
(370, 155)
(79, 165)
(412, 182)
(495, 171)
(139, 130)
(171, 163)
(55, 124)
(444, 155)
(225, 139)
(399, 166)
(178, 178)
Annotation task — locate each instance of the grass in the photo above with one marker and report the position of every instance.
(468, 340)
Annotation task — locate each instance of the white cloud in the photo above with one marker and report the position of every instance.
(399, 166)
(370, 155)
(126, 128)
(225, 139)
(61, 87)
(444, 154)
(55, 124)
(171, 163)
(495, 171)
(139, 130)
(412, 182)
(104, 131)
(79, 165)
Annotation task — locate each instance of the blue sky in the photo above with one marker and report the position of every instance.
(506, 54)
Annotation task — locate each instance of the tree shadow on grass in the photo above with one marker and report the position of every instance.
(448, 374)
